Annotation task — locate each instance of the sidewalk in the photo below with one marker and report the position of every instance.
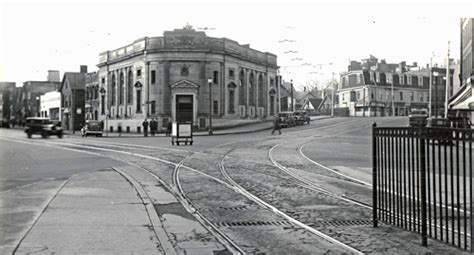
(241, 129)
(110, 212)
(98, 213)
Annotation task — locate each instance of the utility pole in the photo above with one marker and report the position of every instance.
(292, 102)
(393, 105)
(448, 82)
(431, 82)
(332, 96)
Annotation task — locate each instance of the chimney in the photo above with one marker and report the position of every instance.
(83, 68)
(415, 64)
(53, 76)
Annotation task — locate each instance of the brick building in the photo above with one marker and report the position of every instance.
(92, 96)
(167, 78)
(28, 100)
(73, 99)
(7, 99)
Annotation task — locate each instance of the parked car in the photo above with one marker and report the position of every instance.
(301, 117)
(418, 118)
(42, 126)
(460, 122)
(287, 119)
(94, 127)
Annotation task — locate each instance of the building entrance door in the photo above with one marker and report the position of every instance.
(184, 108)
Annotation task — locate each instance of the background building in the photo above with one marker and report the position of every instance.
(50, 104)
(92, 96)
(167, 78)
(29, 99)
(462, 102)
(7, 99)
(373, 88)
(73, 99)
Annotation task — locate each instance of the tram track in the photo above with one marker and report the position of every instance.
(225, 180)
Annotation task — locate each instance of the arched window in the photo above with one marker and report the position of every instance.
(121, 84)
(130, 87)
(114, 87)
(261, 89)
(251, 89)
(242, 88)
(231, 107)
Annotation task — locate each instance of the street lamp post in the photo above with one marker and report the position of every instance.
(38, 107)
(102, 92)
(210, 105)
(448, 82)
(332, 96)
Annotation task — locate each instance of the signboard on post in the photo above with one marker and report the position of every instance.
(184, 130)
(181, 132)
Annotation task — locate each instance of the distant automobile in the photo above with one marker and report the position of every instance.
(94, 127)
(42, 126)
(287, 119)
(301, 117)
(460, 122)
(418, 118)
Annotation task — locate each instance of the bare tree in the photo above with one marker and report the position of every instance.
(313, 84)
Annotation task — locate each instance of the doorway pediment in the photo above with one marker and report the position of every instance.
(184, 84)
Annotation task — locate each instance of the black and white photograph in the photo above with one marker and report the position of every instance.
(236, 127)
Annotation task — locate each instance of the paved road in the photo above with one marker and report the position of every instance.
(254, 189)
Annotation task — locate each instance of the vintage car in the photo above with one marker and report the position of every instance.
(93, 127)
(301, 117)
(287, 119)
(42, 126)
(418, 118)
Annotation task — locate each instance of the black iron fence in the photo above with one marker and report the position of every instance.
(422, 182)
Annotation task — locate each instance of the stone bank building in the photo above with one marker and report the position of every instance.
(182, 76)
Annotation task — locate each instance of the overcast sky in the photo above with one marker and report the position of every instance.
(37, 36)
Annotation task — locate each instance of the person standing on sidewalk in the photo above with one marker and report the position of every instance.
(153, 126)
(145, 128)
(276, 125)
(168, 128)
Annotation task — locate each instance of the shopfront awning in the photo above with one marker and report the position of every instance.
(467, 104)
(464, 101)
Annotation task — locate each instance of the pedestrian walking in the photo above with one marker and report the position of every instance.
(153, 126)
(145, 127)
(168, 128)
(84, 130)
(276, 125)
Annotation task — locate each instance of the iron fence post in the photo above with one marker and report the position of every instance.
(424, 239)
(374, 176)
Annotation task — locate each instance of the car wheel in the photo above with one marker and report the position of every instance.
(60, 135)
(28, 135)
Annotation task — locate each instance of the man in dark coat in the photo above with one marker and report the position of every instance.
(145, 128)
(153, 126)
(276, 125)
(168, 129)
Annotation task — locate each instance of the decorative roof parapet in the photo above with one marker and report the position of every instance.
(187, 39)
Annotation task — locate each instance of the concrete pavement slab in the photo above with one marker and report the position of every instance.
(87, 218)
(19, 209)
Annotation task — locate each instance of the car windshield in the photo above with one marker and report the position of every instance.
(93, 124)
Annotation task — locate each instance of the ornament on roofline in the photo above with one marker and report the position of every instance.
(188, 27)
